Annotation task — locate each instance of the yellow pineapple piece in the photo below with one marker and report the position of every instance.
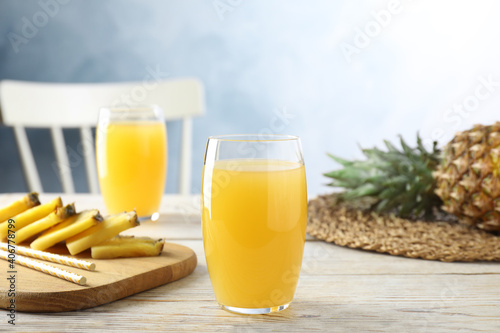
(29, 216)
(28, 201)
(66, 229)
(110, 227)
(127, 246)
(57, 216)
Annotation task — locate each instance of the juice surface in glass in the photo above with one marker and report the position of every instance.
(131, 164)
(254, 222)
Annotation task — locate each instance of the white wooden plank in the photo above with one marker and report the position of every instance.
(88, 152)
(356, 303)
(185, 162)
(62, 165)
(77, 104)
(339, 261)
(28, 162)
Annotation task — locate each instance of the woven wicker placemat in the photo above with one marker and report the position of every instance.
(335, 221)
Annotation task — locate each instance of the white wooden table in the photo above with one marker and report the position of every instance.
(340, 290)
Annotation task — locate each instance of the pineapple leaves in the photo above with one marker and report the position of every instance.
(390, 147)
(400, 180)
(361, 191)
(339, 160)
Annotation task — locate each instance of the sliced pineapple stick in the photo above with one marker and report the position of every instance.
(19, 206)
(75, 221)
(111, 226)
(66, 229)
(29, 216)
(127, 246)
(57, 216)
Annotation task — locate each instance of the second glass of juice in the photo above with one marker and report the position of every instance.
(254, 212)
(131, 154)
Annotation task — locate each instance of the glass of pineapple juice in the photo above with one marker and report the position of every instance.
(254, 211)
(131, 156)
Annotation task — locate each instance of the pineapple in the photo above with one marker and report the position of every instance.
(66, 229)
(58, 215)
(468, 180)
(127, 246)
(110, 227)
(30, 200)
(463, 180)
(29, 216)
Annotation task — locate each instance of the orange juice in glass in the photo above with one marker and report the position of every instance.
(131, 150)
(254, 212)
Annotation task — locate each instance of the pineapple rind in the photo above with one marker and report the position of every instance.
(468, 179)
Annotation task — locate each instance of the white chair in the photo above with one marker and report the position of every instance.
(56, 106)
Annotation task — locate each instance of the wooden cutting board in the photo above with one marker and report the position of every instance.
(113, 279)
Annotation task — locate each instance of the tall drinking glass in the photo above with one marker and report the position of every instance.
(254, 211)
(131, 153)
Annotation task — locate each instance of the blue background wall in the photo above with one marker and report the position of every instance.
(340, 73)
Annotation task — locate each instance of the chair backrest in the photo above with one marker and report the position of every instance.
(69, 105)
